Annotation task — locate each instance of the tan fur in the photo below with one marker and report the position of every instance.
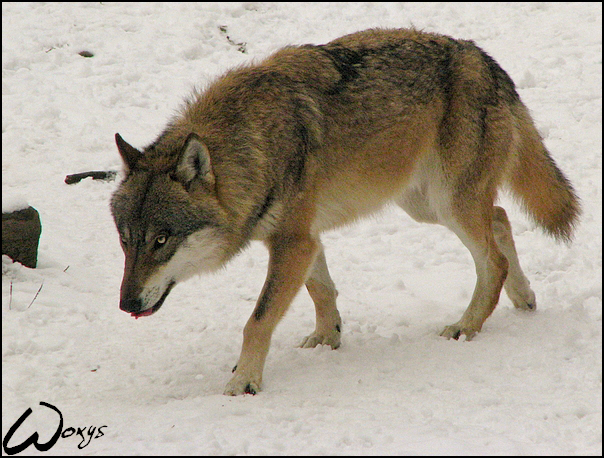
(315, 137)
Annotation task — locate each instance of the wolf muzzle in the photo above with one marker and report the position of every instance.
(138, 308)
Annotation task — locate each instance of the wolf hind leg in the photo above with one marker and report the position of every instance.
(474, 227)
(486, 232)
(323, 292)
(516, 285)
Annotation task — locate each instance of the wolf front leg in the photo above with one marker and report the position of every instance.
(290, 257)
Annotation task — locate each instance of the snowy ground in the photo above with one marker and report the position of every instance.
(528, 384)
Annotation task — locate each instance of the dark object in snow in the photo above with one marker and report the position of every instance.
(21, 231)
(98, 175)
(241, 47)
(86, 54)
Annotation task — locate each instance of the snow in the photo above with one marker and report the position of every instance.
(12, 202)
(527, 384)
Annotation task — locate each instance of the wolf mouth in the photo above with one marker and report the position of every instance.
(157, 306)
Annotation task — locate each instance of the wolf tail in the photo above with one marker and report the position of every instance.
(545, 193)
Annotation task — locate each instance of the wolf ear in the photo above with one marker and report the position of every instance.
(130, 154)
(194, 162)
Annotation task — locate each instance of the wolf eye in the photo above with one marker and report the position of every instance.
(160, 241)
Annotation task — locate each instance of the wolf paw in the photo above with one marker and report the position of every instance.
(455, 331)
(526, 302)
(240, 384)
(332, 339)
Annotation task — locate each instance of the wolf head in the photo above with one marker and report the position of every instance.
(170, 223)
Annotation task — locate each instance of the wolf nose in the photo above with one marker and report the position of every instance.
(131, 305)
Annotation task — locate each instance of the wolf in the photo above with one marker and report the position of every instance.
(317, 136)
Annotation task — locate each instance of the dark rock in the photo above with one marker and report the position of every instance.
(21, 231)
